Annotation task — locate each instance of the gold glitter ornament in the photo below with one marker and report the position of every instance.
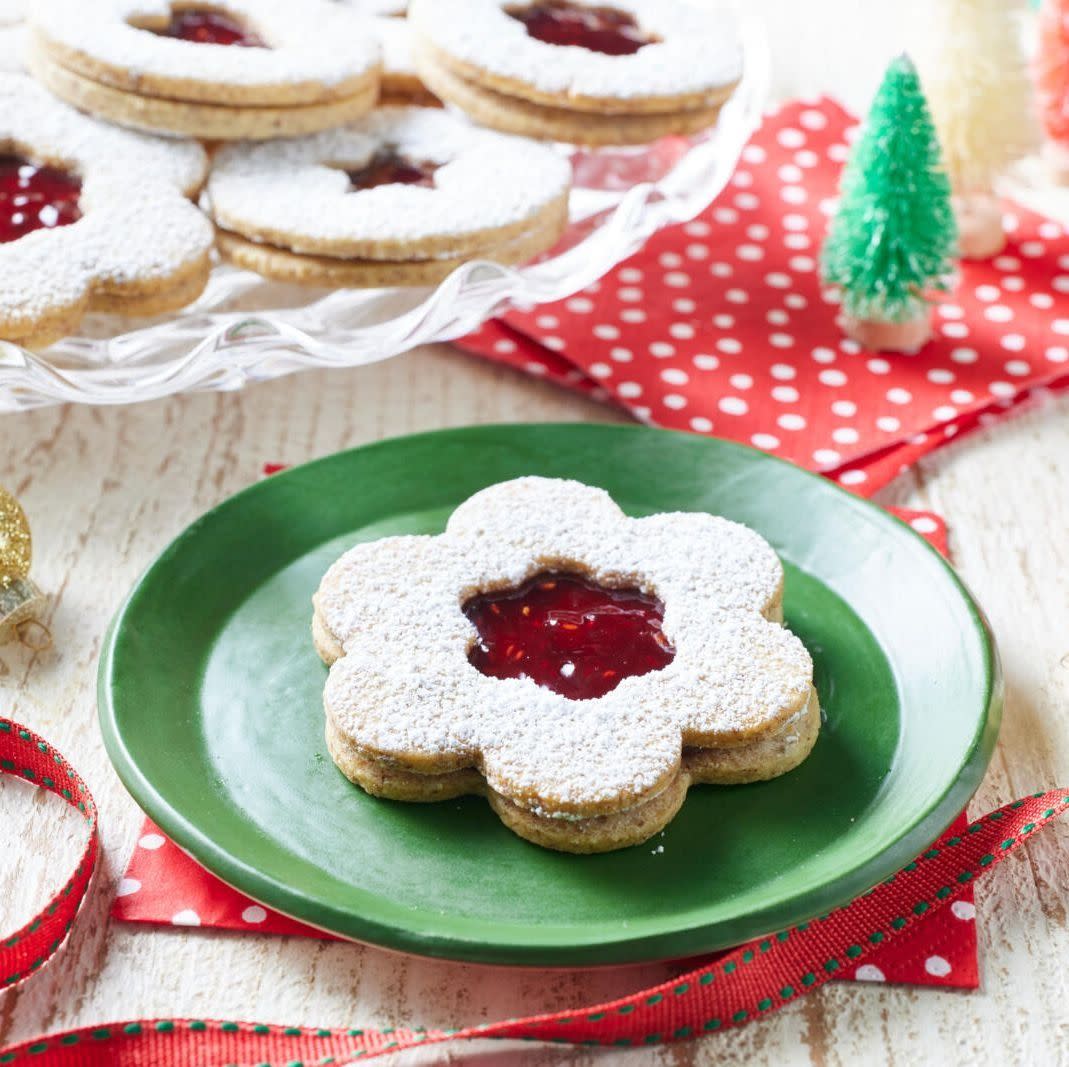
(20, 600)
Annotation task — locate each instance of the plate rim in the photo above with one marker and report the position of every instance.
(674, 943)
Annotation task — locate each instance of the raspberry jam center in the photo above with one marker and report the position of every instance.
(389, 167)
(568, 634)
(598, 29)
(35, 197)
(208, 26)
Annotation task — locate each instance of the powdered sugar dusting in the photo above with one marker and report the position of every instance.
(324, 43)
(698, 50)
(404, 686)
(486, 180)
(136, 221)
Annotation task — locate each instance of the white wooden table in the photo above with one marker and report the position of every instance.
(106, 489)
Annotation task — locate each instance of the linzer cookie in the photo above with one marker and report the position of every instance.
(243, 69)
(579, 668)
(401, 83)
(91, 218)
(401, 197)
(576, 71)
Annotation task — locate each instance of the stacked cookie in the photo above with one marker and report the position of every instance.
(576, 71)
(252, 71)
(402, 197)
(401, 83)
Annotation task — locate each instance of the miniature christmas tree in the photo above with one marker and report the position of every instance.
(890, 242)
(976, 79)
(1052, 78)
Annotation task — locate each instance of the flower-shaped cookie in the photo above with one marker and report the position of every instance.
(410, 716)
(92, 217)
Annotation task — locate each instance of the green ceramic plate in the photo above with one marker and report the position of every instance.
(210, 701)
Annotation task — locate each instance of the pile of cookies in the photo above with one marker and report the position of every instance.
(318, 183)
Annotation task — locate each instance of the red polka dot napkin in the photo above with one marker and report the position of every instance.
(164, 886)
(721, 326)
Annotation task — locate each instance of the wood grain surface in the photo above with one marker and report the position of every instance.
(107, 488)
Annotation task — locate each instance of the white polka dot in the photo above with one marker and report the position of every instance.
(998, 313)
(795, 222)
(723, 322)
(789, 173)
(674, 401)
(674, 376)
(944, 412)
(777, 317)
(1050, 230)
(729, 346)
(790, 137)
(505, 346)
(556, 344)
(797, 241)
(957, 330)
(1060, 326)
(838, 153)
(1007, 263)
(1017, 367)
(733, 405)
(924, 524)
(547, 322)
(757, 232)
(832, 377)
(879, 366)
(1061, 283)
(961, 396)
(662, 350)
(684, 305)
(845, 409)
(741, 381)
(670, 260)
(1012, 283)
(185, 917)
(152, 841)
(632, 315)
(964, 355)
(802, 264)
(845, 435)
(795, 301)
(606, 332)
(812, 119)
(677, 279)
(828, 206)
(783, 372)
(853, 477)
(806, 158)
(747, 201)
(780, 340)
(537, 369)
(851, 348)
(726, 216)
(700, 424)
(704, 361)
(937, 966)
(888, 423)
(254, 914)
(1013, 342)
(629, 294)
(697, 251)
(621, 355)
(940, 376)
(987, 293)
(1057, 354)
(629, 390)
(1002, 389)
(600, 370)
(750, 253)
(754, 153)
(778, 280)
(785, 394)
(963, 909)
(698, 228)
(764, 440)
(869, 972)
(793, 194)
(899, 395)
(128, 887)
(791, 422)
(737, 296)
(631, 275)
(823, 355)
(1032, 249)
(743, 179)
(827, 457)
(1043, 301)
(721, 270)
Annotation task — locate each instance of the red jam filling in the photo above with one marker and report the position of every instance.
(598, 29)
(388, 167)
(568, 634)
(35, 197)
(207, 26)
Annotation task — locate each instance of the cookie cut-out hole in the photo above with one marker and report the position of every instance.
(35, 196)
(389, 167)
(569, 634)
(597, 29)
(206, 25)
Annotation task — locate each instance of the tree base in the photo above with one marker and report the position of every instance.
(1056, 157)
(980, 231)
(909, 336)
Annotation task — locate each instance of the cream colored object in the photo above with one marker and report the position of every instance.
(909, 336)
(980, 231)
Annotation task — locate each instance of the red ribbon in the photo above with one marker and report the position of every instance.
(746, 984)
